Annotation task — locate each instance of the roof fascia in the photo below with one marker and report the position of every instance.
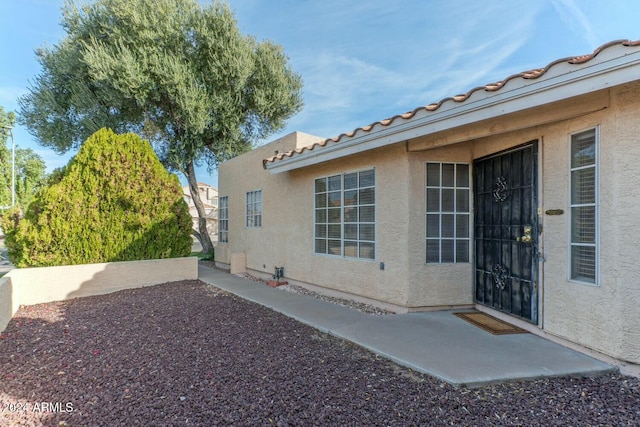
(586, 79)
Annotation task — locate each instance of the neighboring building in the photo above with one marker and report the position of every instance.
(209, 197)
(518, 198)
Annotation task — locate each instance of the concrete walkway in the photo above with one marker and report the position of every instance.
(436, 343)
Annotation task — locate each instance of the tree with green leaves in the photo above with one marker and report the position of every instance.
(30, 169)
(179, 73)
(31, 175)
(114, 201)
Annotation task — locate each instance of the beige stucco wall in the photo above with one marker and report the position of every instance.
(245, 173)
(364, 277)
(28, 286)
(286, 236)
(433, 285)
(605, 318)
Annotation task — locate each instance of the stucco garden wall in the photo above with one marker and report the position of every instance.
(28, 286)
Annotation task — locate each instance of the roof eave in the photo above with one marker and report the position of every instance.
(590, 77)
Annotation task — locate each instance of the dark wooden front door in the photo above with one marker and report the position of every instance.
(506, 231)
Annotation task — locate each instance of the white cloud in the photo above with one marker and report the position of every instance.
(574, 18)
(372, 63)
(476, 55)
(341, 82)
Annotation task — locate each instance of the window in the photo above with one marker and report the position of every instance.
(254, 209)
(223, 220)
(447, 206)
(583, 206)
(345, 215)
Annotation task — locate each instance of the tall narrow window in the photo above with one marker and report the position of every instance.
(447, 222)
(584, 213)
(345, 215)
(254, 209)
(328, 211)
(359, 214)
(223, 219)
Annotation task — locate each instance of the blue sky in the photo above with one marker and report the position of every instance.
(364, 61)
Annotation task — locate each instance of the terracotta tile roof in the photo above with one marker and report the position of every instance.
(491, 87)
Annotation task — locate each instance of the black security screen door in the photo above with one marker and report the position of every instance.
(506, 231)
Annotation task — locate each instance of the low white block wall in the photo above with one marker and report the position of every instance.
(28, 286)
(6, 302)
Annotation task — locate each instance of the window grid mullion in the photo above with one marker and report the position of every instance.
(342, 222)
(453, 213)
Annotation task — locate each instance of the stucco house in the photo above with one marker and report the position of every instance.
(209, 197)
(518, 198)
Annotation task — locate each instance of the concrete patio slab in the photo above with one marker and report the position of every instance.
(436, 343)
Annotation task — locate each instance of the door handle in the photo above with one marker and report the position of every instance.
(526, 237)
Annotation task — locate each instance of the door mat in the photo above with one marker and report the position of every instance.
(490, 323)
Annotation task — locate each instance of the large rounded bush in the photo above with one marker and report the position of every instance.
(114, 201)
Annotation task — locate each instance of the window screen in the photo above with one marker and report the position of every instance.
(583, 233)
(223, 219)
(254, 209)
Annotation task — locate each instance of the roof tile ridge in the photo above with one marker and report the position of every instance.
(290, 153)
(581, 59)
(489, 87)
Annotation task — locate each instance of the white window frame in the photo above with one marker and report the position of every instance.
(253, 209)
(455, 238)
(596, 205)
(343, 223)
(223, 220)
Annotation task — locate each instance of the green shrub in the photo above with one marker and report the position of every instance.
(114, 201)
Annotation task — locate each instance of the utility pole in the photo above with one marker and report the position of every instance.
(7, 130)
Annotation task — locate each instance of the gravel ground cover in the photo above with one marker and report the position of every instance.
(360, 306)
(187, 354)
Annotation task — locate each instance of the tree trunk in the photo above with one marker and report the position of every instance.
(203, 234)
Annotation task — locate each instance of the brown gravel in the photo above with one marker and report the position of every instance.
(184, 353)
(360, 306)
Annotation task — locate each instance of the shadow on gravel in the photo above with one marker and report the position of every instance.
(184, 353)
